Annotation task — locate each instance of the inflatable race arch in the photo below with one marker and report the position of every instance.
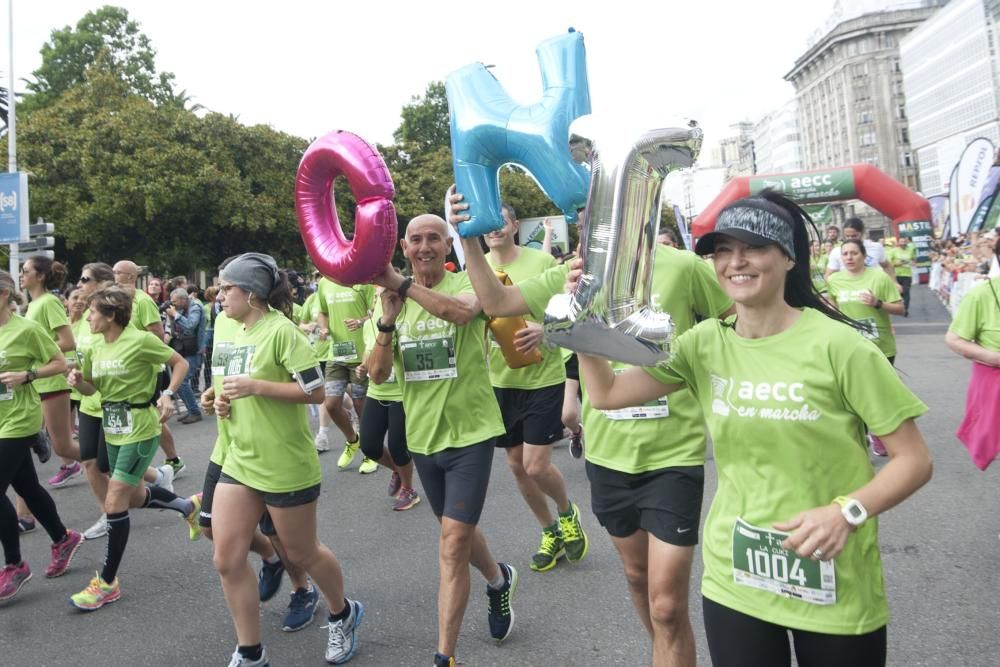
(910, 213)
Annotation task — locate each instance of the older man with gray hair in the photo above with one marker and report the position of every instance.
(188, 322)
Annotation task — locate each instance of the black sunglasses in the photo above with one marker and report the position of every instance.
(86, 279)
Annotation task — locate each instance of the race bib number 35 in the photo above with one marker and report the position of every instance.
(759, 561)
(428, 359)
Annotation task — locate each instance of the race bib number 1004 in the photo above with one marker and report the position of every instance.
(759, 561)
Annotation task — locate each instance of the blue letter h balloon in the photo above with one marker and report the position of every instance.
(489, 129)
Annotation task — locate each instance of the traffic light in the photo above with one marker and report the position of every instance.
(38, 242)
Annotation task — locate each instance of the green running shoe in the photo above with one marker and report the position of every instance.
(574, 538)
(350, 449)
(549, 551)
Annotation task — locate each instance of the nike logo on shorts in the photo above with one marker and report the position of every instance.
(683, 530)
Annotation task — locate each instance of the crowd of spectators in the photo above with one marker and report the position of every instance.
(959, 263)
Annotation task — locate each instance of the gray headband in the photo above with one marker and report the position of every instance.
(753, 221)
(252, 272)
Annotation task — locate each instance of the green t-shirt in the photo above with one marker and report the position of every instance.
(978, 315)
(902, 260)
(270, 444)
(640, 439)
(787, 417)
(846, 290)
(144, 311)
(552, 370)
(49, 311)
(24, 345)
(390, 390)
(446, 382)
(297, 311)
(89, 405)
(125, 371)
(226, 329)
(341, 303)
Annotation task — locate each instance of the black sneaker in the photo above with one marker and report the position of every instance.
(444, 660)
(269, 580)
(501, 613)
(42, 447)
(576, 443)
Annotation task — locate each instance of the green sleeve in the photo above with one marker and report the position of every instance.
(967, 319)
(147, 314)
(154, 350)
(54, 315)
(294, 352)
(873, 390)
(537, 290)
(678, 369)
(707, 295)
(321, 298)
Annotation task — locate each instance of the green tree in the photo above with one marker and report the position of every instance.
(107, 39)
(122, 177)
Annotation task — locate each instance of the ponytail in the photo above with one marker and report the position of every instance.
(55, 272)
(280, 297)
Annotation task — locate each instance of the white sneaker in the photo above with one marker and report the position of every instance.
(166, 478)
(98, 530)
(322, 442)
(239, 661)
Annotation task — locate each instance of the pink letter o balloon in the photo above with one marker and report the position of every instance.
(358, 261)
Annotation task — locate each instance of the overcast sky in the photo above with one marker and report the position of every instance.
(311, 67)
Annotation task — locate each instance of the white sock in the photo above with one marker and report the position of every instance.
(323, 430)
(497, 583)
(159, 477)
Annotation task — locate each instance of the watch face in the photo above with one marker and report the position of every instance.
(855, 511)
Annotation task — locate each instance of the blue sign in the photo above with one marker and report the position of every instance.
(13, 207)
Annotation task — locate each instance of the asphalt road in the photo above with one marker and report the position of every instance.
(940, 550)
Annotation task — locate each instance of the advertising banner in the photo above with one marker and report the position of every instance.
(13, 207)
(971, 174)
(814, 186)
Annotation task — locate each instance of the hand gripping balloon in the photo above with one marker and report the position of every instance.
(358, 261)
(609, 314)
(489, 129)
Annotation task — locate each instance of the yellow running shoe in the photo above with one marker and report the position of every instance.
(194, 528)
(96, 594)
(574, 537)
(368, 466)
(350, 449)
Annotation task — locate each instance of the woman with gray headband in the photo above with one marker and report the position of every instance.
(788, 547)
(271, 373)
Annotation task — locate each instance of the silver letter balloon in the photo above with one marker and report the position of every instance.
(610, 315)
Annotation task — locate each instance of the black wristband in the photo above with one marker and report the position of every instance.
(383, 328)
(32, 375)
(404, 287)
(878, 304)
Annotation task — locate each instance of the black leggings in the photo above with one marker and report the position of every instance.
(736, 639)
(379, 418)
(18, 470)
(92, 443)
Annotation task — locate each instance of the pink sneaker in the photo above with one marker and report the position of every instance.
(394, 483)
(65, 474)
(62, 553)
(877, 447)
(12, 577)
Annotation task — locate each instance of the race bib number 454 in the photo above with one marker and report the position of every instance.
(759, 561)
